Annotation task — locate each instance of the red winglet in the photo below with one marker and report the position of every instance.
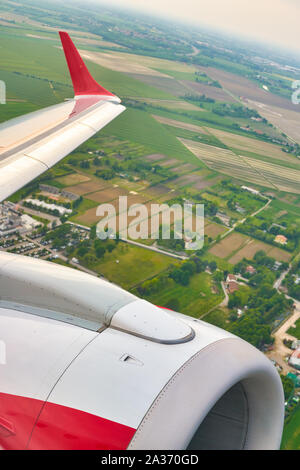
(83, 82)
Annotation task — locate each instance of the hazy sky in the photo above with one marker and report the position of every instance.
(275, 21)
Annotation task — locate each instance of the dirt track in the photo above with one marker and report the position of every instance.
(280, 351)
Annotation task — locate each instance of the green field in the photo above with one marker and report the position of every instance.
(139, 127)
(127, 272)
(291, 433)
(194, 299)
(295, 331)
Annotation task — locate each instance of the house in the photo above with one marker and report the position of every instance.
(230, 277)
(276, 266)
(250, 269)
(232, 287)
(225, 219)
(294, 360)
(281, 239)
(296, 344)
(251, 190)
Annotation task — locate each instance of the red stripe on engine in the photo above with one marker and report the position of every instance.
(58, 427)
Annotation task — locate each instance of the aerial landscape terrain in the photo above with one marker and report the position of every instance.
(209, 120)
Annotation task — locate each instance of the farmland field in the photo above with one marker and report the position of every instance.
(139, 127)
(172, 104)
(253, 246)
(195, 299)
(211, 92)
(87, 187)
(74, 178)
(213, 230)
(244, 168)
(127, 272)
(225, 247)
(295, 331)
(180, 124)
(291, 433)
(251, 145)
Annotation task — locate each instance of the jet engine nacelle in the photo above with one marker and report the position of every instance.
(90, 366)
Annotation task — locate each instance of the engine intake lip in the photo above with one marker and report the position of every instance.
(223, 368)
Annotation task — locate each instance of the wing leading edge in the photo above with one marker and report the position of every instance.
(31, 144)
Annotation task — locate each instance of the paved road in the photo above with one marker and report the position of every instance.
(43, 215)
(147, 247)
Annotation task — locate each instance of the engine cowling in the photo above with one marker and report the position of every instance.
(90, 366)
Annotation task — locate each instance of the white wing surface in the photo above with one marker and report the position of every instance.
(31, 144)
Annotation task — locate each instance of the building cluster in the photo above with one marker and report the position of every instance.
(12, 221)
(49, 207)
(250, 190)
(58, 192)
(231, 283)
(294, 360)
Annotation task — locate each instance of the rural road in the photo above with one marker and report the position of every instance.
(280, 351)
(131, 242)
(278, 281)
(239, 222)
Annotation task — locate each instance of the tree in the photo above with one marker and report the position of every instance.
(288, 386)
(212, 266)
(100, 250)
(173, 304)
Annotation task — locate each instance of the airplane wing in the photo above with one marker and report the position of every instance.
(31, 144)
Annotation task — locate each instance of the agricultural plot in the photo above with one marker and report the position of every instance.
(241, 86)
(73, 179)
(212, 230)
(187, 167)
(251, 145)
(166, 85)
(169, 163)
(172, 104)
(225, 247)
(285, 179)
(123, 265)
(195, 299)
(253, 246)
(141, 128)
(87, 187)
(189, 180)
(107, 195)
(246, 168)
(155, 157)
(236, 246)
(225, 161)
(291, 433)
(285, 119)
(210, 91)
(120, 62)
(87, 218)
(180, 124)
